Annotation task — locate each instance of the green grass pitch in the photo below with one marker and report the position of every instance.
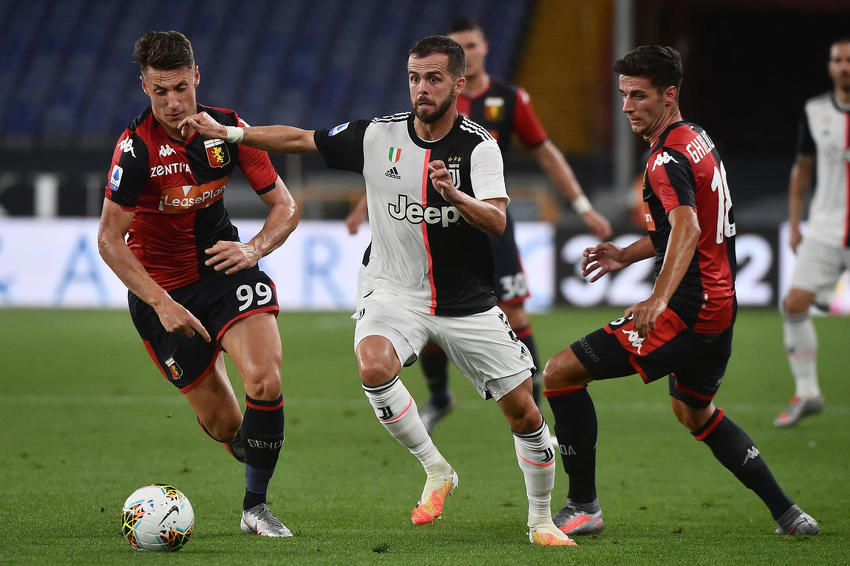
(86, 419)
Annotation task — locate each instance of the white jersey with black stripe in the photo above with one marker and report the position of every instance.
(422, 250)
(825, 133)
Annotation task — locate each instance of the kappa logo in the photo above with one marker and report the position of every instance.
(634, 338)
(663, 159)
(166, 150)
(392, 173)
(127, 146)
(567, 450)
(752, 454)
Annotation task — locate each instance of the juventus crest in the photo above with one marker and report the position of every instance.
(453, 166)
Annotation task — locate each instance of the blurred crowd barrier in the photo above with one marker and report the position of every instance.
(54, 263)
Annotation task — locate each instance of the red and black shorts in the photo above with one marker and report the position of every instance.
(695, 362)
(508, 276)
(217, 302)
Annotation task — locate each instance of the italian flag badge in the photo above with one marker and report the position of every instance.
(395, 154)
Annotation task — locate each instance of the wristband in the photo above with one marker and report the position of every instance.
(580, 205)
(235, 134)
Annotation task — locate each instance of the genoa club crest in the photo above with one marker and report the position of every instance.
(217, 153)
(494, 108)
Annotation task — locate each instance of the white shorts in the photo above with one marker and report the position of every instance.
(482, 346)
(818, 267)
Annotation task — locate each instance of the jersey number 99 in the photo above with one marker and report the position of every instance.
(245, 294)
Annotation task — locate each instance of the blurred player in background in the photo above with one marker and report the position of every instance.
(435, 191)
(824, 253)
(684, 329)
(195, 290)
(504, 110)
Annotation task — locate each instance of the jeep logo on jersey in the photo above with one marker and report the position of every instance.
(217, 154)
(663, 159)
(414, 213)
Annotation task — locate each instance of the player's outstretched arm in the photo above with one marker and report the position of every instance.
(278, 139)
(114, 224)
(487, 215)
(553, 162)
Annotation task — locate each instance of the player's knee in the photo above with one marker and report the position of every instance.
(375, 372)
(264, 390)
(692, 418)
(525, 421)
(376, 361)
(224, 428)
(797, 302)
(262, 380)
(517, 317)
(562, 370)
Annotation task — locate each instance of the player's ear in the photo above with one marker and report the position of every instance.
(197, 79)
(144, 84)
(671, 93)
(459, 84)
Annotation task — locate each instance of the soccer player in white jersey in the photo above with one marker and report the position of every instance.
(823, 253)
(435, 191)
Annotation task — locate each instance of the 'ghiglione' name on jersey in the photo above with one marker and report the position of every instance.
(414, 212)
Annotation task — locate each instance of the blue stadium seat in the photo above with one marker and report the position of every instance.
(67, 68)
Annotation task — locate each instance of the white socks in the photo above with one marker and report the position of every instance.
(396, 410)
(801, 343)
(537, 461)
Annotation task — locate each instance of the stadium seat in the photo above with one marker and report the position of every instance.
(73, 77)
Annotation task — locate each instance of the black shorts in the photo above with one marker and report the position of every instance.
(217, 302)
(695, 362)
(508, 276)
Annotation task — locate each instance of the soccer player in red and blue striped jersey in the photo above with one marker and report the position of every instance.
(684, 328)
(195, 290)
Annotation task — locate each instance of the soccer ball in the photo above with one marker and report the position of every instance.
(157, 517)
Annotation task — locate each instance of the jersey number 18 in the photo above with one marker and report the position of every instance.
(724, 204)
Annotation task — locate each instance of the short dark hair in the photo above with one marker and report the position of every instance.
(163, 50)
(445, 46)
(661, 65)
(839, 40)
(463, 23)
